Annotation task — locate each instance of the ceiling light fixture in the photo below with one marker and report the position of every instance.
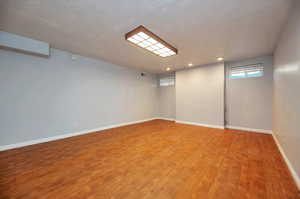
(144, 38)
(168, 69)
(220, 58)
(190, 64)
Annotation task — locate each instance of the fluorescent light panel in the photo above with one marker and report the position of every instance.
(143, 38)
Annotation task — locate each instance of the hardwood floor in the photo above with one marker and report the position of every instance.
(152, 160)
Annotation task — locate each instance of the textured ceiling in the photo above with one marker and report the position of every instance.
(200, 29)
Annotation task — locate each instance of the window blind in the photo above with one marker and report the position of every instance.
(167, 81)
(247, 71)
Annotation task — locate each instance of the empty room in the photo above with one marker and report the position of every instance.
(149, 99)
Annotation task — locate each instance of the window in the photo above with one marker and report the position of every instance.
(247, 71)
(167, 81)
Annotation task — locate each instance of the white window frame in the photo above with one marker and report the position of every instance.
(167, 81)
(247, 70)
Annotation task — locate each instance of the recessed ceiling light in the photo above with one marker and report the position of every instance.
(168, 69)
(190, 64)
(220, 58)
(147, 40)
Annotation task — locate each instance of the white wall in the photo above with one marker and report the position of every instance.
(286, 124)
(200, 95)
(41, 97)
(249, 100)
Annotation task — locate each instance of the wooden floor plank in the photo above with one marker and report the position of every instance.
(156, 159)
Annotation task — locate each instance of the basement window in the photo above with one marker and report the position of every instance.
(247, 71)
(167, 81)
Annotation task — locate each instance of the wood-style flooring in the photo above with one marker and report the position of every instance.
(152, 160)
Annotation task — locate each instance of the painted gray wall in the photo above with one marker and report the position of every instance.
(249, 101)
(200, 94)
(166, 99)
(167, 105)
(25, 44)
(286, 123)
(41, 97)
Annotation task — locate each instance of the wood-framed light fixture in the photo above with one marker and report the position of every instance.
(147, 40)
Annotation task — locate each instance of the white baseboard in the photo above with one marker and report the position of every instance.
(249, 129)
(200, 124)
(48, 139)
(165, 118)
(289, 164)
